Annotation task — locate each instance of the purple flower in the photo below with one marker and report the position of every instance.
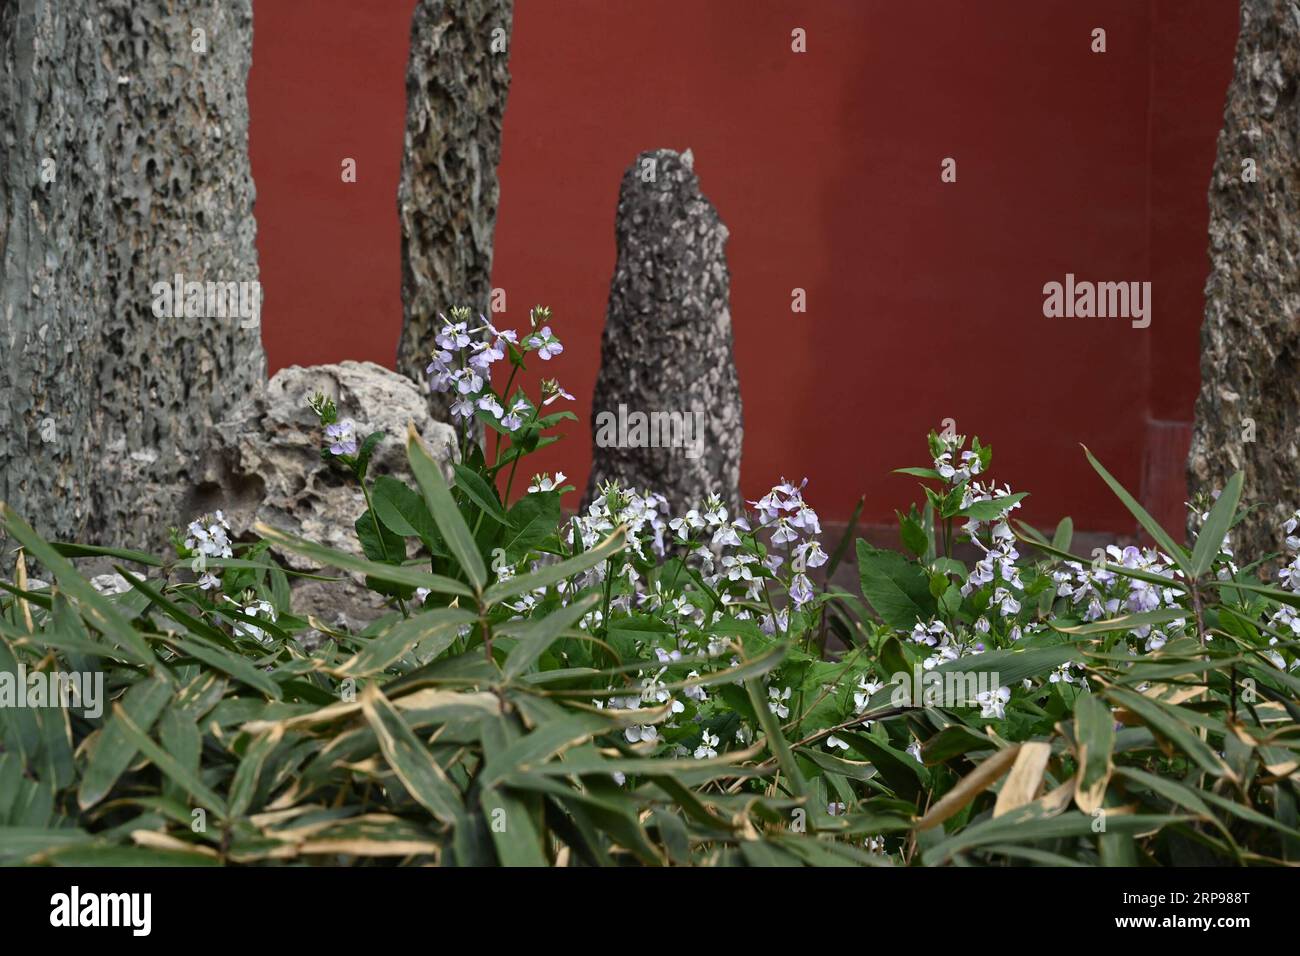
(546, 344)
(801, 590)
(343, 436)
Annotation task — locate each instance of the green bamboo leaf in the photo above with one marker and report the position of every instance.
(389, 573)
(19, 844)
(244, 786)
(1094, 732)
(1028, 535)
(1158, 534)
(1210, 540)
(188, 780)
(548, 740)
(775, 738)
(411, 760)
(1172, 790)
(1028, 826)
(459, 539)
(1173, 723)
(513, 830)
(1125, 622)
(551, 573)
(536, 635)
(436, 627)
(113, 751)
(226, 662)
(98, 611)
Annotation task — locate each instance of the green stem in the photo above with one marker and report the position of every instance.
(505, 396)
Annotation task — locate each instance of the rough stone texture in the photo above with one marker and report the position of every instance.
(265, 465)
(1250, 341)
(456, 88)
(667, 344)
(103, 406)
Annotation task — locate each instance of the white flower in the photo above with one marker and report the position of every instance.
(776, 703)
(545, 482)
(258, 609)
(866, 688)
(993, 702)
(647, 733)
(1062, 674)
(708, 747)
(832, 742)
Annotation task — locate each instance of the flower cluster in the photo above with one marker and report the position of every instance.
(1101, 593)
(462, 365)
(744, 561)
(1286, 619)
(207, 536)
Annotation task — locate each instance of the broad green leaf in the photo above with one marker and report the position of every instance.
(479, 492)
(532, 520)
(378, 541)
(403, 511)
(896, 588)
(991, 509)
(1064, 535)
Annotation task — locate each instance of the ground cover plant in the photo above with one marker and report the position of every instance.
(617, 684)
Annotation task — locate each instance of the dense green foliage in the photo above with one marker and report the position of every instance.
(623, 687)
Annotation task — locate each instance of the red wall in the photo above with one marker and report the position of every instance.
(924, 298)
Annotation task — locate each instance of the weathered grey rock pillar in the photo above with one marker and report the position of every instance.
(1248, 412)
(666, 413)
(456, 85)
(125, 164)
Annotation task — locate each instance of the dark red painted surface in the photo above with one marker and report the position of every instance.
(924, 298)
